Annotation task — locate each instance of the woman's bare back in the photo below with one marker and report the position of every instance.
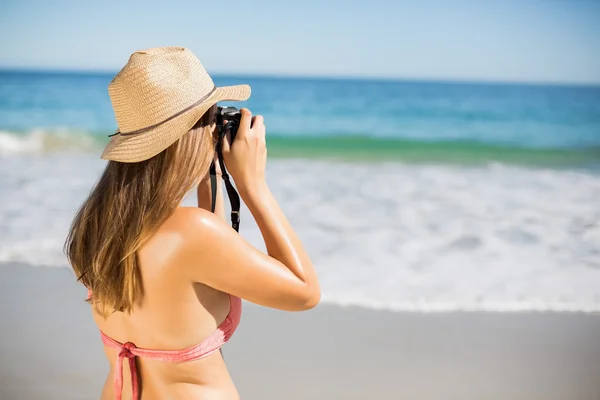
(174, 313)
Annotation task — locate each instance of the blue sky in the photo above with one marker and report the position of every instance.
(539, 41)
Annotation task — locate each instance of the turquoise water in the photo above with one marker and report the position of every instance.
(347, 119)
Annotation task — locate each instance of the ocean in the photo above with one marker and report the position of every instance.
(411, 196)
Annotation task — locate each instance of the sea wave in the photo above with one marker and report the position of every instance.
(45, 141)
(459, 152)
(334, 147)
(395, 236)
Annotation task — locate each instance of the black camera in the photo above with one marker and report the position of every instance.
(228, 119)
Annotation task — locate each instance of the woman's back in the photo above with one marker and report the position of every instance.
(173, 313)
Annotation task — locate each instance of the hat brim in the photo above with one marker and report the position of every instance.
(142, 146)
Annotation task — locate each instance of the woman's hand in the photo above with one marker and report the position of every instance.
(246, 158)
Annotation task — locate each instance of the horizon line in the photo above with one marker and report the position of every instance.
(259, 75)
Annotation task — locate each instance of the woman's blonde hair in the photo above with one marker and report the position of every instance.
(125, 208)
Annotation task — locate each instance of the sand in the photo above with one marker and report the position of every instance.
(50, 349)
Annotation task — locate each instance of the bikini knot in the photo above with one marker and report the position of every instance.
(126, 350)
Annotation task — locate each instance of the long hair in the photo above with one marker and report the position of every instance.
(125, 208)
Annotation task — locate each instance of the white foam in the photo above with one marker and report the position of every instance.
(41, 141)
(401, 237)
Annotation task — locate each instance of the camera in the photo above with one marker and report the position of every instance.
(228, 119)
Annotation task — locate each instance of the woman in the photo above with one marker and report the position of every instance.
(165, 281)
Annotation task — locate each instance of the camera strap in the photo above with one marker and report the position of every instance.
(234, 197)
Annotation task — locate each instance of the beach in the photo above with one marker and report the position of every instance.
(51, 349)
(454, 227)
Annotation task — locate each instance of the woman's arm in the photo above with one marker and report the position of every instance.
(213, 253)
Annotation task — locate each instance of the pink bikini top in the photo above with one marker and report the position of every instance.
(203, 349)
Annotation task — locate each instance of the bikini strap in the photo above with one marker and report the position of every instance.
(127, 350)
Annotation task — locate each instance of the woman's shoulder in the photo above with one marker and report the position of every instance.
(188, 218)
(192, 221)
(178, 240)
(192, 227)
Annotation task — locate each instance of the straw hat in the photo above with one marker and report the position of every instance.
(157, 97)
